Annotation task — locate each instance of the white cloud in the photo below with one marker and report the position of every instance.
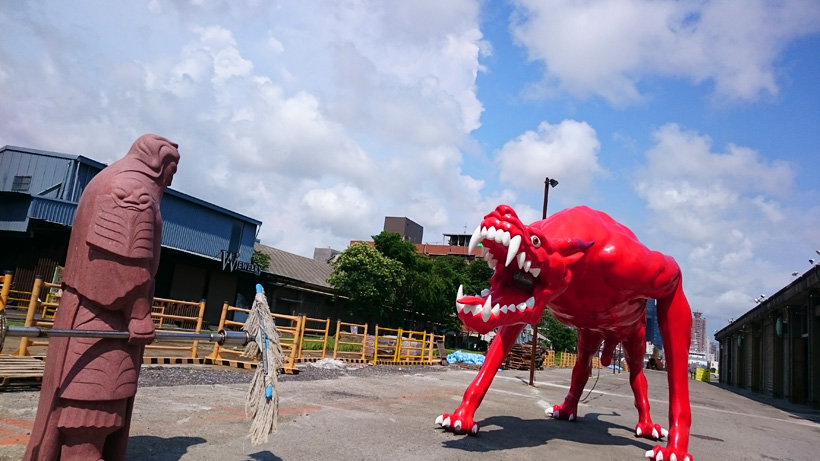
(608, 47)
(318, 120)
(722, 215)
(567, 151)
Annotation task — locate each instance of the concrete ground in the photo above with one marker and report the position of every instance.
(392, 417)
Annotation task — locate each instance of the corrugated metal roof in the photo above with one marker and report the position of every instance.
(296, 267)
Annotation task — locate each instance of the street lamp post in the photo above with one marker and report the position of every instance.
(547, 184)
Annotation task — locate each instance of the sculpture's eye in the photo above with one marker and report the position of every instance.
(536, 242)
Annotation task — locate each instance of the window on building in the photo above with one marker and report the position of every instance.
(21, 184)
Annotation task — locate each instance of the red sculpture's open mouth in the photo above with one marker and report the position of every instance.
(515, 285)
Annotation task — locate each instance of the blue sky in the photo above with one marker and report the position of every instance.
(693, 122)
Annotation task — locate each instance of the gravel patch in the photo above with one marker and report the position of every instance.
(181, 375)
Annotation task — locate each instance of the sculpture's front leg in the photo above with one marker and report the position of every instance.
(461, 421)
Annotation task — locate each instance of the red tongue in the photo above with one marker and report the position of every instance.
(471, 300)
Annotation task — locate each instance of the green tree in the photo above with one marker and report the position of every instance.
(562, 338)
(261, 259)
(370, 280)
(478, 277)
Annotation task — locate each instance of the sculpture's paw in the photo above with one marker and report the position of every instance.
(459, 425)
(650, 431)
(660, 453)
(559, 412)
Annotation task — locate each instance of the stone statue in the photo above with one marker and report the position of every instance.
(89, 384)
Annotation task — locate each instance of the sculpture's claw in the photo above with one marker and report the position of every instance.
(559, 412)
(659, 453)
(650, 431)
(457, 425)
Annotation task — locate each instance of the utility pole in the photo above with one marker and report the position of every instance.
(547, 184)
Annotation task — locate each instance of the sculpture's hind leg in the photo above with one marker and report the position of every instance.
(634, 350)
(588, 344)
(675, 321)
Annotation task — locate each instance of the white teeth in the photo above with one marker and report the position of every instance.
(535, 271)
(527, 266)
(512, 249)
(496, 310)
(475, 239)
(521, 258)
(505, 239)
(486, 311)
(530, 302)
(503, 309)
(522, 307)
(485, 292)
(491, 233)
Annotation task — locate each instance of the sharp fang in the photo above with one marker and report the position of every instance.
(475, 309)
(522, 307)
(459, 307)
(486, 311)
(521, 258)
(485, 292)
(527, 266)
(496, 310)
(512, 249)
(460, 292)
(475, 238)
(535, 271)
(530, 302)
(505, 238)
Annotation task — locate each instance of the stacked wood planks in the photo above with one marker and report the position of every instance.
(521, 355)
(20, 370)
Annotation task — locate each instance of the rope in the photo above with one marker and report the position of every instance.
(262, 401)
(593, 385)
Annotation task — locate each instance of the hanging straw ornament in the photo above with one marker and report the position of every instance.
(262, 401)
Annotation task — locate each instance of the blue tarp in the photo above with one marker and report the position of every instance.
(466, 357)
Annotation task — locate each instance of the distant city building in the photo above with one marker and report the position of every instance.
(698, 342)
(405, 227)
(653, 332)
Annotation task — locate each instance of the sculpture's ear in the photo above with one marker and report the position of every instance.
(571, 249)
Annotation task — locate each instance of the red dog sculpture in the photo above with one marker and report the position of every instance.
(593, 274)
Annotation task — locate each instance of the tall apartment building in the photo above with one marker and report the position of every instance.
(653, 332)
(698, 343)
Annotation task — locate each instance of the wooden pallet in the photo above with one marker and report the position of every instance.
(20, 370)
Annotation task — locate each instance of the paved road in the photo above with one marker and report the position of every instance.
(392, 417)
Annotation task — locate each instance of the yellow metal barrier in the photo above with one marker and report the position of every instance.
(53, 293)
(567, 360)
(5, 289)
(33, 305)
(350, 339)
(385, 344)
(176, 316)
(411, 346)
(549, 359)
(314, 331)
(434, 354)
(288, 337)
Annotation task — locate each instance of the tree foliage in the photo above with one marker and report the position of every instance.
(562, 338)
(369, 279)
(424, 288)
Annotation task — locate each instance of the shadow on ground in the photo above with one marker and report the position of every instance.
(508, 432)
(148, 447)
